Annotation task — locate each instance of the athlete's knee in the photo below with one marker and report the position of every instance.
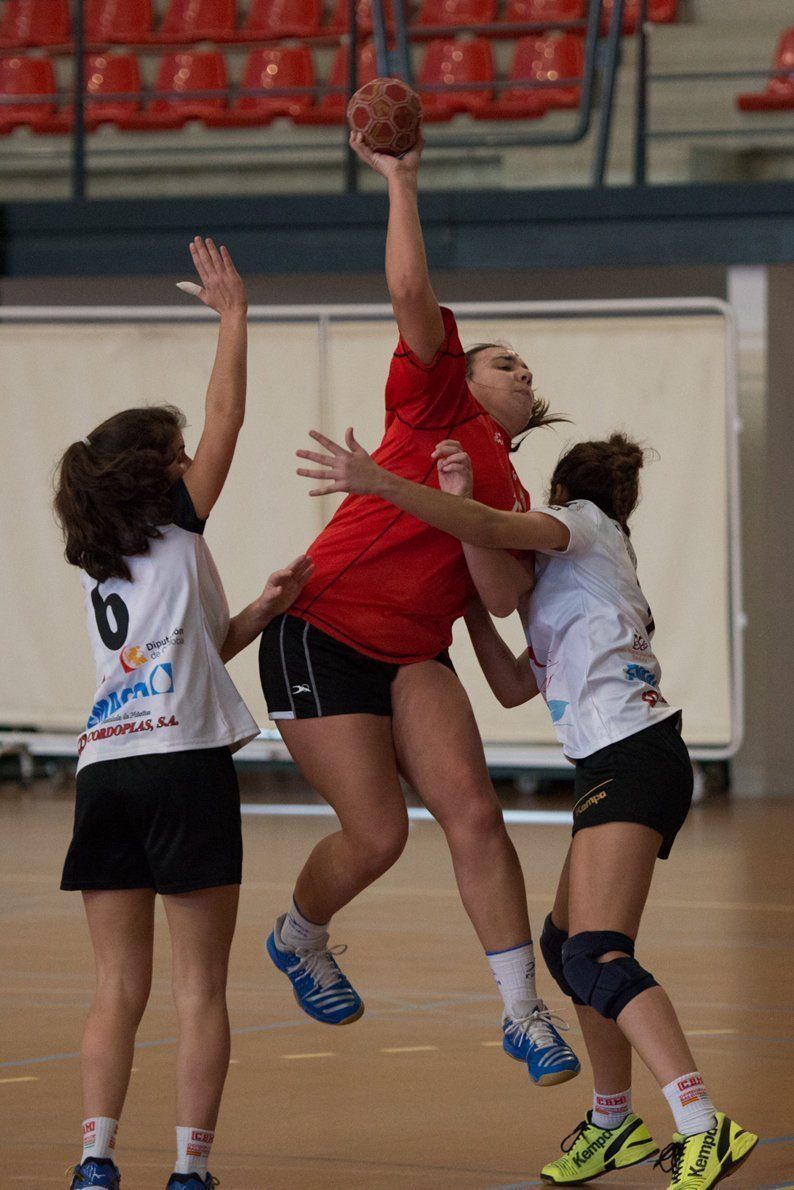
(474, 819)
(552, 940)
(383, 847)
(126, 992)
(605, 986)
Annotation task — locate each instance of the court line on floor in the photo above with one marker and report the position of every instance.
(415, 813)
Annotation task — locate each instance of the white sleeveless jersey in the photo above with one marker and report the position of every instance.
(161, 685)
(589, 631)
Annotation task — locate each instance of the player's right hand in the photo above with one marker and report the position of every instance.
(388, 167)
(222, 287)
(455, 474)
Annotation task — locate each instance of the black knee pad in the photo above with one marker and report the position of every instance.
(551, 944)
(606, 987)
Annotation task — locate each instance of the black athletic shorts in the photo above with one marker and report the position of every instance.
(307, 674)
(645, 778)
(168, 821)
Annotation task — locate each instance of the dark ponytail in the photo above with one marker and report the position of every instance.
(606, 473)
(112, 489)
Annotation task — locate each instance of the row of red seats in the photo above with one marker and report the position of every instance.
(779, 92)
(547, 59)
(26, 23)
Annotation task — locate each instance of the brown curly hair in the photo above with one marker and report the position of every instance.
(112, 490)
(606, 473)
(540, 415)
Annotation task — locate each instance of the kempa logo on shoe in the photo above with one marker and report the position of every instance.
(590, 1151)
(703, 1156)
(594, 796)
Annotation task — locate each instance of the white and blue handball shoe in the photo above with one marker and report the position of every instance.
(318, 985)
(535, 1039)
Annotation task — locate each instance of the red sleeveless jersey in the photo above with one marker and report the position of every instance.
(385, 583)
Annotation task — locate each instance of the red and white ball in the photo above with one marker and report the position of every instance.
(388, 114)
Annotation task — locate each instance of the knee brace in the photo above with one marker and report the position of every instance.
(551, 944)
(606, 987)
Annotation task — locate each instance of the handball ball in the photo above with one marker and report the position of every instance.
(388, 114)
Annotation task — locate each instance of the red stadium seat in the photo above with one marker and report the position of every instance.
(34, 22)
(269, 70)
(28, 78)
(333, 105)
(183, 72)
(539, 59)
(105, 74)
(451, 63)
(118, 22)
(271, 20)
(662, 12)
(338, 22)
(518, 11)
(190, 21)
(779, 93)
(464, 14)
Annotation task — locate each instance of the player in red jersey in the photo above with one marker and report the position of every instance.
(357, 675)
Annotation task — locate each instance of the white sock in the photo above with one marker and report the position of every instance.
(99, 1137)
(514, 972)
(609, 1111)
(690, 1104)
(297, 930)
(192, 1150)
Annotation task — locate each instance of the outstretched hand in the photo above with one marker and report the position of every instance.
(222, 287)
(454, 468)
(283, 588)
(384, 164)
(344, 470)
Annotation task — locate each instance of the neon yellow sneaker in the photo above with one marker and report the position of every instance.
(700, 1161)
(591, 1151)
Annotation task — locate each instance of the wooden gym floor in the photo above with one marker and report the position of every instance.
(417, 1095)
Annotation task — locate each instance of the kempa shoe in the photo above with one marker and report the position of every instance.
(95, 1171)
(318, 985)
(591, 1151)
(700, 1161)
(535, 1040)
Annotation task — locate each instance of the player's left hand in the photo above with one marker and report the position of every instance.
(344, 470)
(454, 468)
(283, 588)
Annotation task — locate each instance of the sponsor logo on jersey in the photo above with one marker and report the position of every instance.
(498, 438)
(159, 681)
(155, 647)
(132, 657)
(638, 673)
(129, 728)
(652, 697)
(640, 645)
(591, 801)
(557, 708)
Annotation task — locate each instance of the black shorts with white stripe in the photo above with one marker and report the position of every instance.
(307, 674)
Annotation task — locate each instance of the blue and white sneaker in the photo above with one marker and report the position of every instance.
(535, 1040)
(95, 1171)
(192, 1181)
(318, 985)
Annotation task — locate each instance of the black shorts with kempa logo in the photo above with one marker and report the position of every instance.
(645, 778)
(307, 674)
(167, 820)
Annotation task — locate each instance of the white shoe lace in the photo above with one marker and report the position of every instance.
(539, 1026)
(319, 964)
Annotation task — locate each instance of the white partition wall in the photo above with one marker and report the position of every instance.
(663, 372)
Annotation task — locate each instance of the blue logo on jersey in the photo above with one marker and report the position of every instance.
(557, 708)
(640, 674)
(160, 681)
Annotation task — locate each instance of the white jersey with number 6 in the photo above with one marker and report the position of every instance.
(161, 685)
(589, 631)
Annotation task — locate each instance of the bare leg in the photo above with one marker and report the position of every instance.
(202, 925)
(608, 1050)
(121, 923)
(440, 753)
(610, 875)
(349, 759)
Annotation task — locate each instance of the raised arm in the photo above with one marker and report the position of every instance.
(222, 290)
(352, 470)
(510, 677)
(413, 300)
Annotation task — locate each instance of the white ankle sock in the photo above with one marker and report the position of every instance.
(514, 972)
(297, 930)
(99, 1137)
(690, 1103)
(192, 1150)
(609, 1111)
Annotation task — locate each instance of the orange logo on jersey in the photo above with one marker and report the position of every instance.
(132, 658)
